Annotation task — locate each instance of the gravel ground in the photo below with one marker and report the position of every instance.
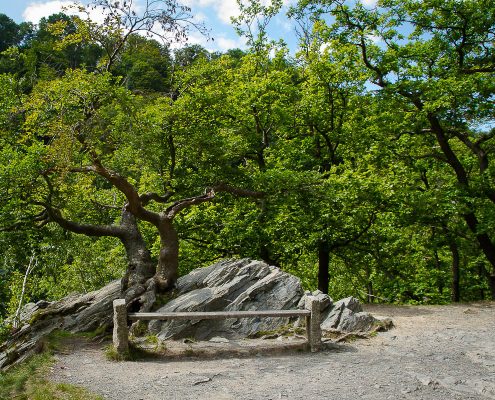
(434, 352)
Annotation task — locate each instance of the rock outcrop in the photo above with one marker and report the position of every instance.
(230, 285)
(74, 313)
(345, 315)
(227, 285)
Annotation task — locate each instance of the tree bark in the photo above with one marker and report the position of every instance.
(140, 267)
(484, 241)
(168, 259)
(371, 296)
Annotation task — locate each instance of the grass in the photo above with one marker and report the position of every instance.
(28, 381)
(139, 328)
(152, 340)
(134, 353)
(163, 299)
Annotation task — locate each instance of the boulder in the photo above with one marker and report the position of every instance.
(230, 285)
(351, 321)
(74, 313)
(347, 315)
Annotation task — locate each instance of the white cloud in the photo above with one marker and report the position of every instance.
(223, 44)
(284, 24)
(370, 3)
(220, 43)
(374, 38)
(227, 10)
(224, 9)
(35, 11)
(199, 17)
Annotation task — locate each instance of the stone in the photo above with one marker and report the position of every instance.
(74, 313)
(325, 300)
(230, 285)
(227, 285)
(351, 321)
(351, 303)
(341, 316)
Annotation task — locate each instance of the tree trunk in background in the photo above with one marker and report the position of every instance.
(323, 266)
(266, 256)
(370, 292)
(490, 277)
(440, 283)
(456, 295)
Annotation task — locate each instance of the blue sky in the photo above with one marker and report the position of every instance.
(214, 13)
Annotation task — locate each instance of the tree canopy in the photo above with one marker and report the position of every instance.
(361, 163)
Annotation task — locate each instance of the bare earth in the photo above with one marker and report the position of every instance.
(434, 352)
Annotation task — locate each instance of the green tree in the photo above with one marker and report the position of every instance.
(12, 34)
(440, 79)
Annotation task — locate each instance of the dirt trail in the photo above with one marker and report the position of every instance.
(435, 352)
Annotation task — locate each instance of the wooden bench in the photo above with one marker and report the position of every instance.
(311, 314)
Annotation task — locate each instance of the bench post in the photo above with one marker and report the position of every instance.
(120, 330)
(313, 328)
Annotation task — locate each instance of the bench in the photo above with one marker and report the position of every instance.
(312, 315)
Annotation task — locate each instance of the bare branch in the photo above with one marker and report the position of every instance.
(148, 197)
(209, 195)
(180, 205)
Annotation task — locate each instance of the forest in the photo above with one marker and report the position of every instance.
(360, 162)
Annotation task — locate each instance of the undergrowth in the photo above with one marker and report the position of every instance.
(134, 353)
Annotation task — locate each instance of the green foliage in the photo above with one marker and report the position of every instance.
(370, 146)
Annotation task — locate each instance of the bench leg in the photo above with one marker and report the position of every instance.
(313, 328)
(120, 330)
(308, 329)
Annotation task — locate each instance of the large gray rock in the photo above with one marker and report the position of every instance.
(74, 313)
(230, 285)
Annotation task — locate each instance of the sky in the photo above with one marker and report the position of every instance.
(215, 14)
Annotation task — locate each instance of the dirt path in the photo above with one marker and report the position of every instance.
(435, 352)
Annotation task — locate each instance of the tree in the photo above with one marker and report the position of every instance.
(145, 65)
(441, 78)
(85, 145)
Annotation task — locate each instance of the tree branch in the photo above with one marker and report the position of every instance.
(180, 205)
(355, 237)
(85, 229)
(209, 195)
(135, 205)
(151, 196)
